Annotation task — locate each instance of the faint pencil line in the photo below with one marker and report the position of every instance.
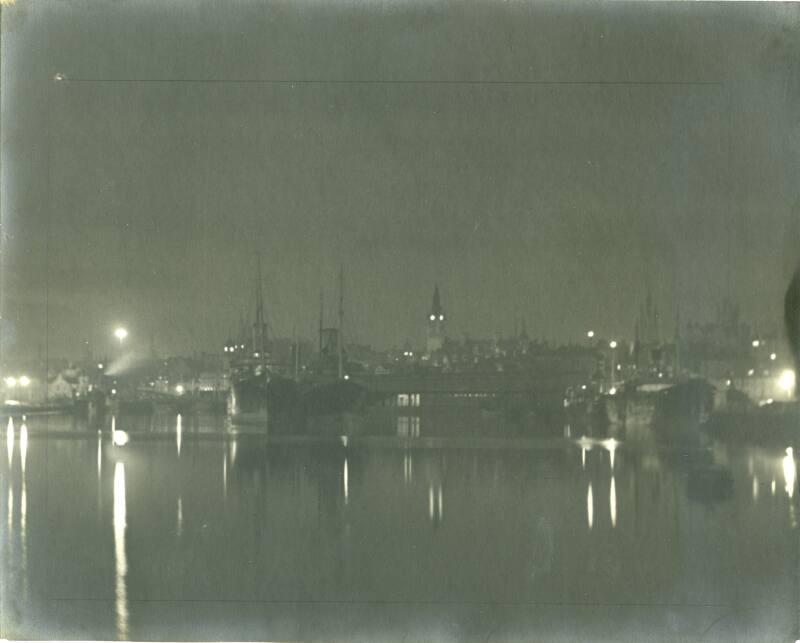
(384, 81)
(405, 602)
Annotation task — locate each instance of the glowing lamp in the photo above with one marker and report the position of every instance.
(786, 381)
(119, 438)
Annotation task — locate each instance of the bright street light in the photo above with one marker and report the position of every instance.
(590, 334)
(786, 381)
(612, 343)
(120, 333)
(24, 380)
(756, 343)
(11, 382)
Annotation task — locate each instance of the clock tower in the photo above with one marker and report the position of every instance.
(436, 321)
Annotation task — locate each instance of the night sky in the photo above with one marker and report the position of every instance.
(535, 160)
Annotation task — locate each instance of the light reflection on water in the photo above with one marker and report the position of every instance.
(789, 472)
(99, 457)
(10, 440)
(120, 554)
(178, 433)
(322, 522)
(346, 482)
(179, 525)
(23, 446)
(612, 502)
(10, 508)
(589, 506)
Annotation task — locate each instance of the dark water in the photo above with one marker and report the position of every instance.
(197, 533)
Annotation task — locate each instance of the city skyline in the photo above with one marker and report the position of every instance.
(546, 175)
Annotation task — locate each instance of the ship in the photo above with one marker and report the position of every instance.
(670, 407)
(258, 392)
(264, 392)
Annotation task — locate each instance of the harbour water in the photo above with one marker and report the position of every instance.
(189, 530)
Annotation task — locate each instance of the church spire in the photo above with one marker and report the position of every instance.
(436, 323)
(436, 307)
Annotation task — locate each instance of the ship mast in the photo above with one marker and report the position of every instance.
(341, 319)
(259, 328)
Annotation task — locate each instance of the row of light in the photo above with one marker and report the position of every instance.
(758, 342)
(786, 379)
(612, 344)
(433, 317)
(232, 349)
(22, 380)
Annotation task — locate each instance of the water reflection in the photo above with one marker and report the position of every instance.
(435, 503)
(280, 529)
(224, 474)
(99, 456)
(23, 509)
(23, 526)
(789, 472)
(611, 446)
(408, 426)
(234, 448)
(23, 445)
(10, 507)
(612, 502)
(179, 525)
(10, 440)
(120, 555)
(346, 485)
(23, 457)
(178, 432)
(408, 468)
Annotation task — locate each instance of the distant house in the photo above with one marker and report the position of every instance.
(209, 381)
(60, 388)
